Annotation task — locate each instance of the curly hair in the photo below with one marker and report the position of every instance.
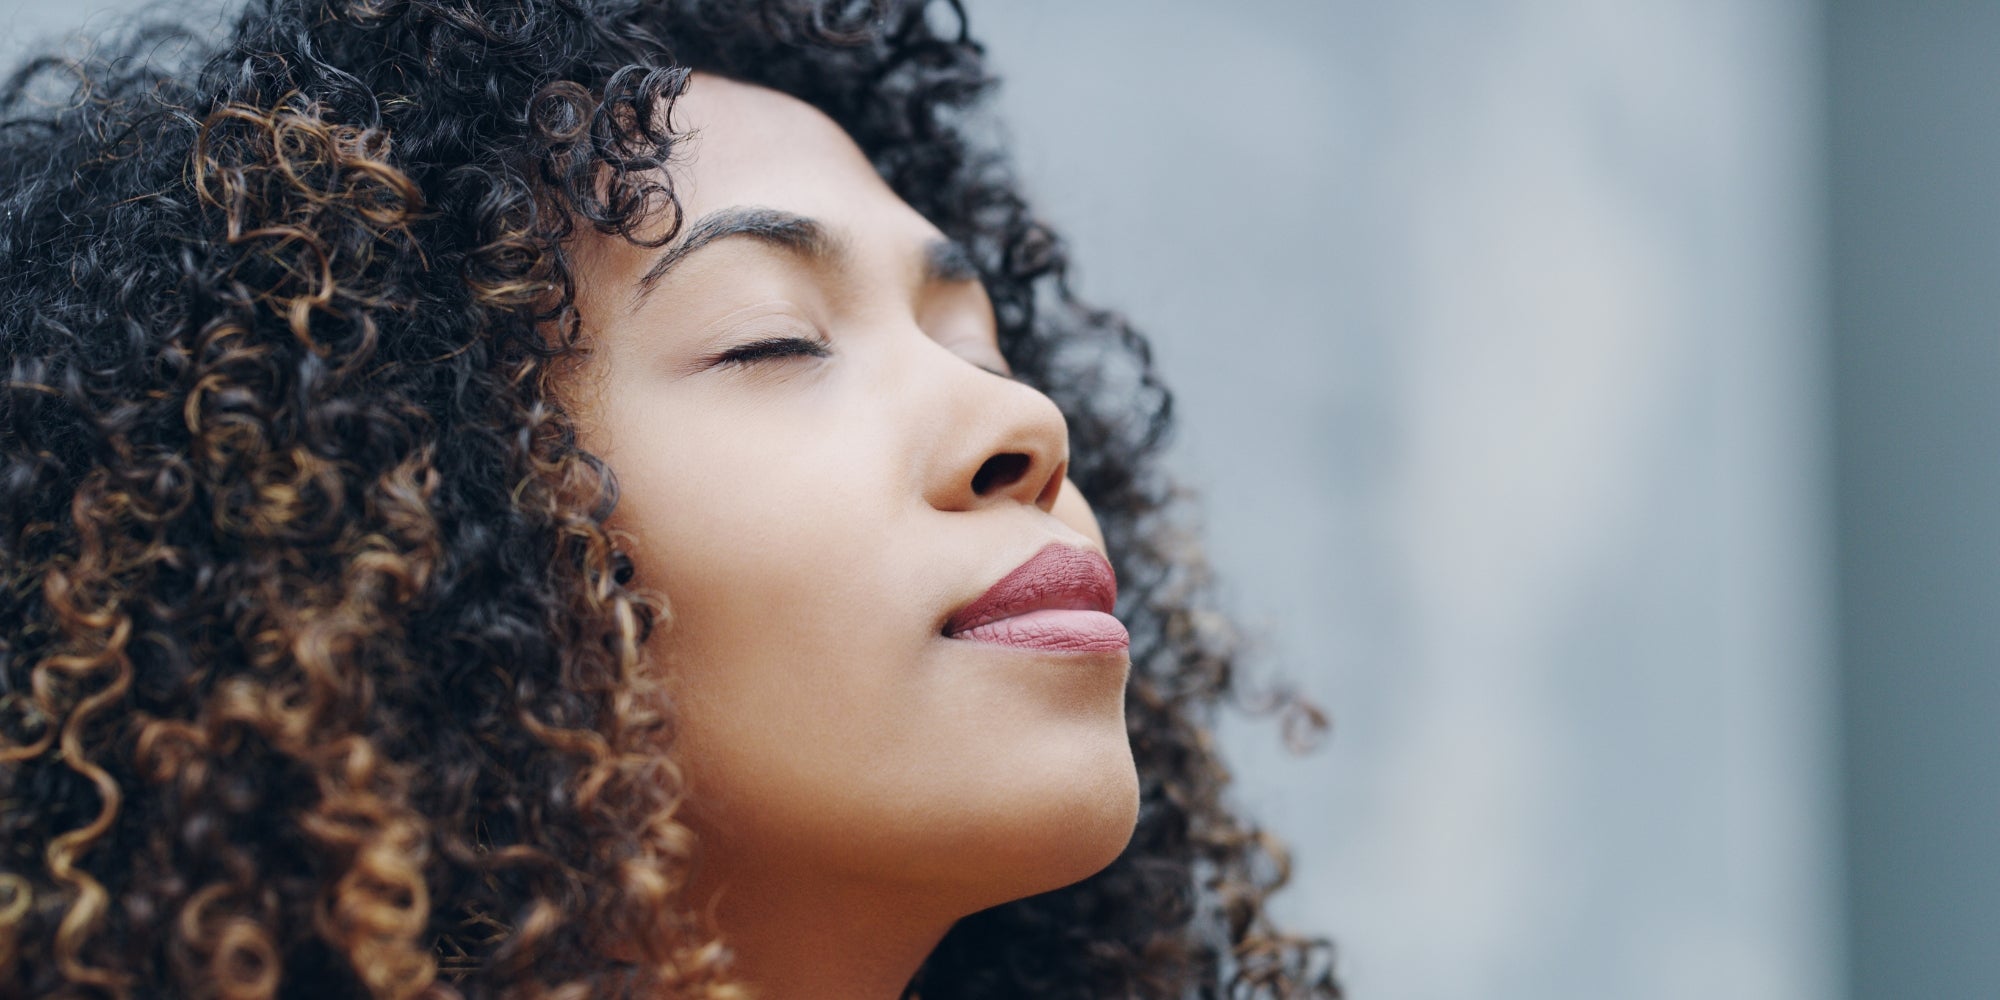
(319, 670)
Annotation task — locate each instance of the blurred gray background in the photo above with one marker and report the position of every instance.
(1594, 407)
(1498, 328)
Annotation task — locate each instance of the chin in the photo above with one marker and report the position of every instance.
(1067, 833)
(1097, 831)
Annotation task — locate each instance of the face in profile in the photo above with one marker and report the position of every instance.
(825, 465)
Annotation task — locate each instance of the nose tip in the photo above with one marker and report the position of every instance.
(992, 441)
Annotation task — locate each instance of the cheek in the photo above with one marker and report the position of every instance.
(765, 547)
(796, 596)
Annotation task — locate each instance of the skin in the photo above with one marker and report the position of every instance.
(858, 780)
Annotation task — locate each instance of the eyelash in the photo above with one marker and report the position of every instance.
(772, 348)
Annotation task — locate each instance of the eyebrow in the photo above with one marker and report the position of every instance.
(794, 233)
(945, 260)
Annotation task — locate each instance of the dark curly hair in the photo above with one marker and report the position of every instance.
(319, 671)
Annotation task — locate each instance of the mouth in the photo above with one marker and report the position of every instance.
(1060, 600)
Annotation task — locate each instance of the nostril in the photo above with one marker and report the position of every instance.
(1000, 472)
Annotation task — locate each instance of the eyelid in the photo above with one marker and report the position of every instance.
(770, 348)
(976, 357)
(942, 315)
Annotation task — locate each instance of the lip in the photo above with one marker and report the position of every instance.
(1059, 600)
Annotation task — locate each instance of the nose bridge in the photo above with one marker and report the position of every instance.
(992, 440)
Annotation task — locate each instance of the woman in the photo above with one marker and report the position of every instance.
(586, 499)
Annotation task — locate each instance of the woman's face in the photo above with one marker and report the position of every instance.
(816, 516)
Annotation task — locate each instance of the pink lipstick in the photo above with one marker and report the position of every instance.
(1059, 600)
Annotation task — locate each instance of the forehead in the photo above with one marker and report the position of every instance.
(749, 145)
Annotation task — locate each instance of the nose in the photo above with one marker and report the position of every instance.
(1003, 442)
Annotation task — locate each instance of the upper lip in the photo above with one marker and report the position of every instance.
(1058, 576)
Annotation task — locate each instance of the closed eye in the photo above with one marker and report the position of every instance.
(770, 348)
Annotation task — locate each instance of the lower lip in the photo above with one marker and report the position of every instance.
(1054, 631)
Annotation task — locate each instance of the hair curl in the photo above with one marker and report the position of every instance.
(319, 675)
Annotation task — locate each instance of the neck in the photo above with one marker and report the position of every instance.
(795, 940)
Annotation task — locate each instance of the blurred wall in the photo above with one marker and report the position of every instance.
(1494, 326)
(1496, 331)
(1915, 215)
